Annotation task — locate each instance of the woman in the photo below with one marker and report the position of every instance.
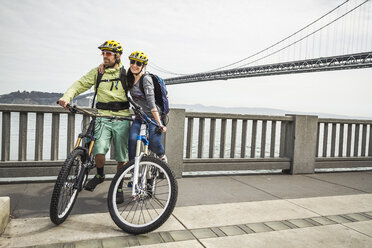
(146, 99)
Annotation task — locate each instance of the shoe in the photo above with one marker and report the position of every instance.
(164, 158)
(97, 179)
(119, 196)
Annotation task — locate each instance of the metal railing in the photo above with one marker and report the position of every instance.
(195, 141)
(235, 142)
(342, 143)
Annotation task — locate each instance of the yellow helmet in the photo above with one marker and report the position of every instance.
(139, 56)
(111, 45)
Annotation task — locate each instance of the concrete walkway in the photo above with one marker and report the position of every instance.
(319, 210)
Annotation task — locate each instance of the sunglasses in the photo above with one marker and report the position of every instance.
(138, 63)
(107, 53)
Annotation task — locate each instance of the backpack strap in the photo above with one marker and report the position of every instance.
(141, 82)
(123, 80)
(99, 78)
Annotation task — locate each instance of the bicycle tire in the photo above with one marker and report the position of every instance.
(157, 185)
(59, 209)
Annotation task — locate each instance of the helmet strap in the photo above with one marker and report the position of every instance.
(136, 74)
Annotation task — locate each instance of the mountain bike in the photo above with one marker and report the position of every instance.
(149, 186)
(75, 170)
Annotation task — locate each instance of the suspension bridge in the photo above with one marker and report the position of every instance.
(341, 39)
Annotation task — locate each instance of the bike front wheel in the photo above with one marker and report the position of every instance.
(153, 201)
(65, 190)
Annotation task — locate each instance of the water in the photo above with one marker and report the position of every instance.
(62, 148)
(238, 142)
(31, 128)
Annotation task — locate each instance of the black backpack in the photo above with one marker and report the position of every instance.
(160, 94)
(122, 78)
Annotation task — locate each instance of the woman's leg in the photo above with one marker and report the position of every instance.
(155, 144)
(133, 133)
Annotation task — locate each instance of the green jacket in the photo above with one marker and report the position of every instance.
(107, 91)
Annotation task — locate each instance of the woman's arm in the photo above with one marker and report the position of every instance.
(148, 87)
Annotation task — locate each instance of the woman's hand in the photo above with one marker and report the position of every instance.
(101, 68)
(163, 128)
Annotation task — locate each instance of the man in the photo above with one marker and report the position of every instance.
(111, 100)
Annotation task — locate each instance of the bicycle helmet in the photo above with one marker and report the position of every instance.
(111, 45)
(139, 56)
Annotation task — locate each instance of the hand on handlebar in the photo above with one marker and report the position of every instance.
(66, 105)
(63, 103)
(161, 129)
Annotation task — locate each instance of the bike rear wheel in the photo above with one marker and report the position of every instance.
(65, 190)
(154, 201)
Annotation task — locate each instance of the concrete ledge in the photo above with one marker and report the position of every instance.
(4, 212)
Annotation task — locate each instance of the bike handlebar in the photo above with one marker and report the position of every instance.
(136, 108)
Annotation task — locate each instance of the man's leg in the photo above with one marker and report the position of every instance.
(101, 146)
(100, 176)
(100, 163)
(120, 138)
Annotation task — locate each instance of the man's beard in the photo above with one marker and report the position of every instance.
(108, 63)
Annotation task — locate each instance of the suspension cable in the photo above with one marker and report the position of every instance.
(261, 51)
(305, 36)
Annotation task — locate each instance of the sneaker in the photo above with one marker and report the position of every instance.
(164, 158)
(97, 179)
(119, 196)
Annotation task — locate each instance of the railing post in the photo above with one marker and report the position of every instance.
(39, 134)
(174, 140)
(301, 143)
(5, 137)
(22, 143)
(55, 137)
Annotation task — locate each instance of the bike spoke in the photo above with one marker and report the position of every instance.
(135, 212)
(141, 213)
(153, 207)
(148, 211)
(127, 206)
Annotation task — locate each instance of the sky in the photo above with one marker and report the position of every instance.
(47, 45)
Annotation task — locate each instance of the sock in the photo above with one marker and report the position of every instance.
(100, 171)
(120, 185)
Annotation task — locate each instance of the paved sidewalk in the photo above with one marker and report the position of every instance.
(318, 210)
(334, 221)
(32, 200)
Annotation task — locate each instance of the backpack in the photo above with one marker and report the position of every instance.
(161, 94)
(122, 78)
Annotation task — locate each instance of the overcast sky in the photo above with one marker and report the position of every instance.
(48, 45)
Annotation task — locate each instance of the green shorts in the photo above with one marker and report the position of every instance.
(106, 130)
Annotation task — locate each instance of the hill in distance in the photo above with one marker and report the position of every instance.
(47, 98)
(33, 97)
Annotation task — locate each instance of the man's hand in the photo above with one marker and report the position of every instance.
(101, 68)
(63, 103)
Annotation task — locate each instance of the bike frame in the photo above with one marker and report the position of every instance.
(141, 138)
(87, 152)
